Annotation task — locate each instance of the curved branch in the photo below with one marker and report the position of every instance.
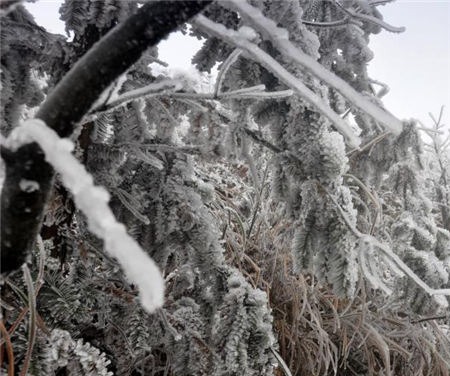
(235, 38)
(370, 19)
(280, 39)
(22, 211)
(344, 22)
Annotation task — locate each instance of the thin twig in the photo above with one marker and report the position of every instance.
(442, 317)
(9, 349)
(32, 328)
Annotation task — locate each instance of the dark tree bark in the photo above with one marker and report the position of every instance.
(72, 98)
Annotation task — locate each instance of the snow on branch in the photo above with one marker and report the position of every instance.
(152, 90)
(371, 242)
(254, 92)
(280, 38)
(370, 19)
(66, 105)
(344, 22)
(93, 202)
(240, 40)
(225, 67)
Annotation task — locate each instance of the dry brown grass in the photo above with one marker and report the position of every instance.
(318, 333)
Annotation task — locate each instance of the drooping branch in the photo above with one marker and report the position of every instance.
(280, 39)
(370, 19)
(29, 177)
(240, 40)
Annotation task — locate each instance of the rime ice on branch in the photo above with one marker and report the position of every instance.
(93, 202)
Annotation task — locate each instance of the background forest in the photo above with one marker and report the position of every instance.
(299, 226)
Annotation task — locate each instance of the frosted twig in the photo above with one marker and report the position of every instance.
(370, 143)
(255, 89)
(193, 103)
(384, 88)
(149, 159)
(372, 198)
(344, 22)
(373, 278)
(224, 69)
(125, 199)
(374, 3)
(251, 163)
(124, 336)
(188, 149)
(151, 90)
(405, 268)
(344, 216)
(372, 241)
(281, 362)
(32, 323)
(162, 314)
(370, 19)
(280, 38)
(442, 317)
(258, 95)
(9, 348)
(251, 92)
(93, 202)
(157, 61)
(259, 139)
(429, 130)
(235, 38)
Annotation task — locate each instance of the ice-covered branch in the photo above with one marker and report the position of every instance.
(152, 90)
(370, 241)
(93, 202)
(370, 19)
(250, 92)
(239, 40)
(344, 22)
(374, 3)
(224, 69)
(407, 270)
(280, 38)
(65, 106)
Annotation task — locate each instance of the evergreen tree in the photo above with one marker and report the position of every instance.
(188, 173)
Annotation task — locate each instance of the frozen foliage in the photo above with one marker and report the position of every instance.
(291, 240)
(280, 38)
(80, 357)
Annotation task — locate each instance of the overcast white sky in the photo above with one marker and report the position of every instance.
(414, 64)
